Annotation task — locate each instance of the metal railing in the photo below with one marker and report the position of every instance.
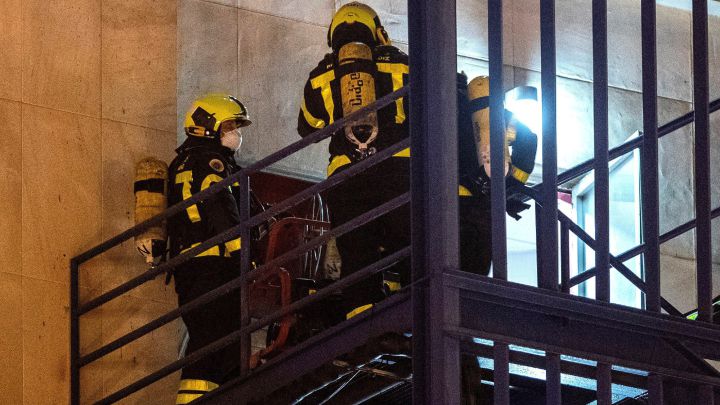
(443, 316)
(247, 275)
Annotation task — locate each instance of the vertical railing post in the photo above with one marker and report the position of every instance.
(701, 99)
(602, 174)
(434, 185)
(497, 139)
(244, 211)
(501, 373)
(649, 158)
(655, 389)
(74, 333)
(549, 218)
(539, 237)
(553, 393)
(604, 384)
(706, 395)
(564, 258)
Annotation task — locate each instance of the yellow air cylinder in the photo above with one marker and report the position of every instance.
(150, 200)
(479, 94)
(357, 87)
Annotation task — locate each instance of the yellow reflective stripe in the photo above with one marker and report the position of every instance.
(322, 82)
(314, 122)
(510, 134)
(396, 70)
(209, 180)
(403, 153)
(358, 310)
(213, 251)
(197, 385)
(464, 192)
(183, 399)
(337, 162)
(232, 245)
(185, 178)
(520, 175)
(393, 285)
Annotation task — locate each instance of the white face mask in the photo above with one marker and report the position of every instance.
(232, 140)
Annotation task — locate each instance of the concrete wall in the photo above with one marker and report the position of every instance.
(87, 88)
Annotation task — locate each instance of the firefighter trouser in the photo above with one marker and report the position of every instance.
(475, 234)
(370, 242)
(208, 323)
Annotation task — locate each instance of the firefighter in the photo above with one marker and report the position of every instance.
(474, 177)
(212, 126)
(358, 27)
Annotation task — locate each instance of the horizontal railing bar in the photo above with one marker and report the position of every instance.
(228, 181)
(256, 273)
(629, 254)
(628, 146)
(211, 295)
(219, 345)
(235, 231)
(619, 266)
(568, 367)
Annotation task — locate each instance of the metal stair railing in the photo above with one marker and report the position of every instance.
(77, 361)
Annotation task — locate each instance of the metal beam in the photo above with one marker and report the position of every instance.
(568, 324)
(435, 247)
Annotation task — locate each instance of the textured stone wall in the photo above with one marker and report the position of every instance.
(87, 88)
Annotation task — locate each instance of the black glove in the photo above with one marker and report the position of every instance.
(514, 207)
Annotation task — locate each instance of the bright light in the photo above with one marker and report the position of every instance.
(522, 102)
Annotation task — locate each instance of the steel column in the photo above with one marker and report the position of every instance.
(549, 218)
(602, 172)
(501, 373)
(433, 129)
(649, 152)
(604, 384)
(655, 389)
(703, 233)
(497, 139)
(74, 333)
(553, 392)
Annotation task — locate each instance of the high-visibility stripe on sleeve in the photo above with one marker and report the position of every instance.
(463, 191)
(322, 82)
(197, 385)
(403, 153)
(337, 162)
(209, 180)
(396, 70)
(183, 399)
(520, 175)
(213, 251)
(232, 245)
(185, 178)
(309, 118)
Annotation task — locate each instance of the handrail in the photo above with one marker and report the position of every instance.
(626, 147)
(228, 181)
(235, 336)
(235, 231)
(237, 283)
(639, 249)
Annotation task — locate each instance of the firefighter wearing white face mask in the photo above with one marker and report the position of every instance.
(212, 126)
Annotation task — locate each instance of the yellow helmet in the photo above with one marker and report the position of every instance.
(354, 12)
(205, 115)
